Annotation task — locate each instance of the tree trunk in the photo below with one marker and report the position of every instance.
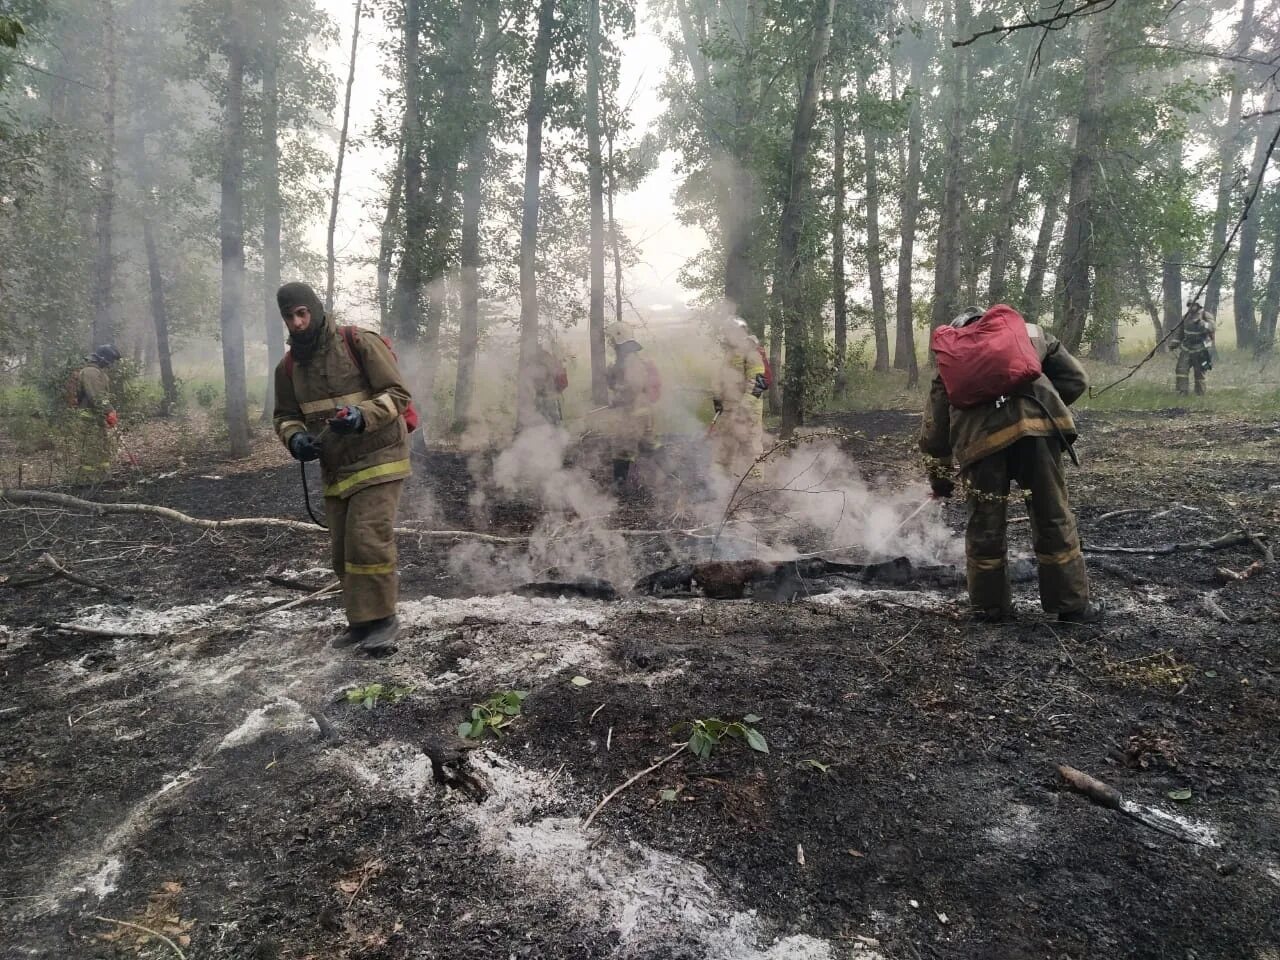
(1172, 254)
(787, 270)
(1228, 155)
(875, 277)
(1077, 239)
(946, 273)
(595, 178)
(1106, 346)
(406, 305)
(472, 208)
(387, 243)
(104, 267)
(839, 288)
(231, 233)
(342, 152)
(904, 356)
(526, 407)
(614, 241)
(160, 317)
(1033, 290)
(1243, 306)
(997, 285)
(1142, 279)
(271, 202)
(1271, 299)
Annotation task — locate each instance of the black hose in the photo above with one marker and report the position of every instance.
(306, 496)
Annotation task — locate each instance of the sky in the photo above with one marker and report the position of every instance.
(647, 215)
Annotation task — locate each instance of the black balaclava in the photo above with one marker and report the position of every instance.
(288, 298)
(105, 355)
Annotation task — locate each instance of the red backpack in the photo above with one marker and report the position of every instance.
(988, 359)
(410, 414)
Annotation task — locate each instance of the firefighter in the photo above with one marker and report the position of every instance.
(1020, 438)
(340, 399)
(549, 381)
(741, 381)
(1193, 340)
(634, 387)
(88, 391)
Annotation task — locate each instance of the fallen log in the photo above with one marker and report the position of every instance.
(1108, 796)
(1237, 538)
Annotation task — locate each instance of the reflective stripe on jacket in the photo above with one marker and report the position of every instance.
(329, 380)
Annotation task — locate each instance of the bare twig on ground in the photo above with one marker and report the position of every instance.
(1118, 513)
(1235, 539)
(92, 631)
(629, 781)
(1210, 604)
(47, 562)
(148, 931)
(1108, 796)
(326, 590)
(1128, 576)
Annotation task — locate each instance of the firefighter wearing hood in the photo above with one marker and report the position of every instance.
(1193, 341)
(738, 400)
(1016, 438)
(340, 399)
(89, 393)
(634, 388)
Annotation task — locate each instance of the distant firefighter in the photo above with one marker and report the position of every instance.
(634, 388)
(88, 391)
(741, 379)
(1193, 340)
(550, 379)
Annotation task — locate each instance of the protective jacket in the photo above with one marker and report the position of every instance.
(92, 387)
(1037, 410)
(326, 379)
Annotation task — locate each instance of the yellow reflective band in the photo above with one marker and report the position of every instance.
(368, 473)
(985, 566)
(333, 403)
(283, 428)
(1057, 559)
(369, 569)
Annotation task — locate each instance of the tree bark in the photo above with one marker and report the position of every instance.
(1077, 240)
(787, 270)
(231, 234)
(997, 285)
(526, 407)
(1106, 346)
(1033, 290)
(271, 202)
(875, 276)
(406, 305)
(595, 178)
(1243, 307)
(946, 274)
(104, 267)
(387, 243)
(160, 317)
(1228, 155)
(1271, 299)
(614, 241)
(1172, 254)
(342, 152)
(904, 356)
(472, 208)
(839, 287)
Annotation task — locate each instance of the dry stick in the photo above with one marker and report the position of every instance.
(643, 773)
(146, 930)
(327, 589)
(1236, 539)
(91, 631)
(46, 560)
(1213, 268)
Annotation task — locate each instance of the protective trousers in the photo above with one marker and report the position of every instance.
(633, 432)
(1035, 464)
(1188, 360)
(739, 434)
(363, 540)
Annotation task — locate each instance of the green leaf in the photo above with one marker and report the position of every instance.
(464, 729)
(1211, 673)
(580, 682)
(751, 718)
(700, 745)
(668, 795)
(756, 740)
(816, 765)
(477, 727)
(1181, 794)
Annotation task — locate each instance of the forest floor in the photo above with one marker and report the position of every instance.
(184, 760)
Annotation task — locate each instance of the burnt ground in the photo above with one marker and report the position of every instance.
(174, 776)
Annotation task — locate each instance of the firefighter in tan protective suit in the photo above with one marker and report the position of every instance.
(89, 393)
(1020, 438)
(1193, 341)
(738, 400)
(634, 388)
(340, 399)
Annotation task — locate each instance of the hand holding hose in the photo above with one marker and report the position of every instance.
(304, 446)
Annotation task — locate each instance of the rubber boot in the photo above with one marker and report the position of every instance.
(380, 636)
(349, 637)
(1092, 612)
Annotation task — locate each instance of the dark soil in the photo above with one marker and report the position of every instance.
(938, 829)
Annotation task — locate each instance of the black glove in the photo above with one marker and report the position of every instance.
(758, 389)
(347, 420)
(304, 446)
(942, 487)
(717, 405)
